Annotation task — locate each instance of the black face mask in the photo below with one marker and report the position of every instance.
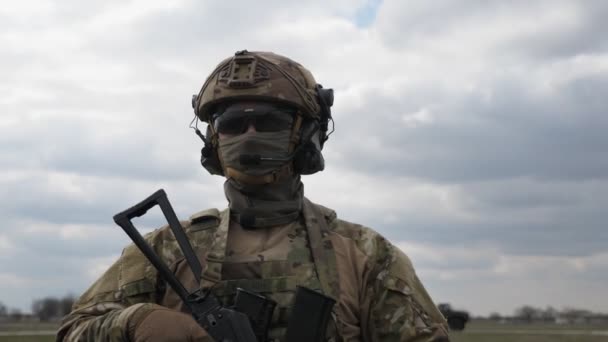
(270, 145)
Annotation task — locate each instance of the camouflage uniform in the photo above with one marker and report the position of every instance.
(379, 297)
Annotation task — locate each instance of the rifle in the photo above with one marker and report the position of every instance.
(249, 319)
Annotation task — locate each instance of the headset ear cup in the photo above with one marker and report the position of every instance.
(326, 101)
(210, 161)
(308, 160)
(209, 158)
(316, 163)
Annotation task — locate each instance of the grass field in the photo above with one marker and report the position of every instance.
(476, 331)
(4, 327)
(46, 338)
(27, 332)
(506, 337)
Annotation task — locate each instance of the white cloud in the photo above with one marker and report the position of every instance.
(551, 77)
(503, 282)
(420, 117)
(7, 247)
(366, 195)
(10, 280)
(472, 133)
(557, 266)
(27, 8)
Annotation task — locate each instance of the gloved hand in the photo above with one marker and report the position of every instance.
(153, 322)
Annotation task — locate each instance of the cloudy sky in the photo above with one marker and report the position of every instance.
(470, 133)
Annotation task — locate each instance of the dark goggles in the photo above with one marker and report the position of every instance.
(238, 122)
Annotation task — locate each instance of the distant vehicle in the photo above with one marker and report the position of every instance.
(456, 319)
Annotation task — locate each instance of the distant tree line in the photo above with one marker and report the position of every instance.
(51, 308)
(11, 314)
(529, 314)
(44, 309)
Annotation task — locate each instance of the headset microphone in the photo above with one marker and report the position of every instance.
(256, 159)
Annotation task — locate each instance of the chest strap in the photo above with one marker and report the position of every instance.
(322, 249)
(217, 252)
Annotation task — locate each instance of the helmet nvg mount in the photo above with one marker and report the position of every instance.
(266, 76)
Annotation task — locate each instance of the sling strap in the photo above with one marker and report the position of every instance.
(322, 249)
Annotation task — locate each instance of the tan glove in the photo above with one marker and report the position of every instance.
(153, 322)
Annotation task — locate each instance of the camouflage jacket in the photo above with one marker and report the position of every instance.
(379, 297)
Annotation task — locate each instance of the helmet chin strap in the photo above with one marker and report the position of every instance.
(295, 132)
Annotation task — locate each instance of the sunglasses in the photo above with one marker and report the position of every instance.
(238, 122)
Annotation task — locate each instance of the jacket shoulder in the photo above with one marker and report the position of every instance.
(366, 238)
(387, 262)
(206, 217)
(369, 241)
(133, 275)
(199, 229)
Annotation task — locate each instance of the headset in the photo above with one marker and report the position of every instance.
(307, 158)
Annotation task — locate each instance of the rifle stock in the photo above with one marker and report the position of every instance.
(223, 324)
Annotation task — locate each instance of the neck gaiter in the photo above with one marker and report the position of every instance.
(261, 205)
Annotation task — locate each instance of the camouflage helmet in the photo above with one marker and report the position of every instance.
(259, 76)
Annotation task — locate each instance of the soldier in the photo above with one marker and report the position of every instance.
(267, 124)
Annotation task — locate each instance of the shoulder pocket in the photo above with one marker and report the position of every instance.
(137, 276)
(204, 220)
